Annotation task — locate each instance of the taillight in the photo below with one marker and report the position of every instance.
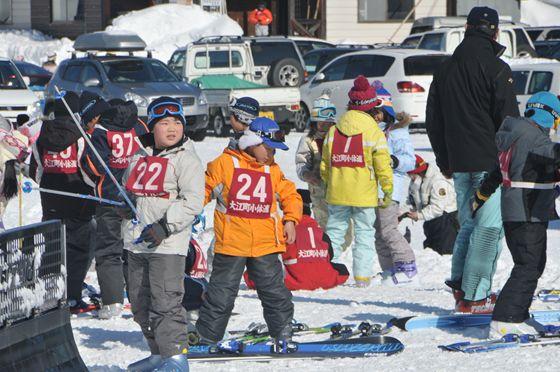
(409, 87)
(294, 108)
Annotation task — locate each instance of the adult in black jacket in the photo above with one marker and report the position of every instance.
(55, 164)
(470, 96)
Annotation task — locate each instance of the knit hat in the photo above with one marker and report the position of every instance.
(323, 110)
(175, 110)
(91, 105)
(71, 99)
(306, 199)
(362, 95)
(420, 167)
(263, 130)
(245, 109)
(543, 108)
(385, 97)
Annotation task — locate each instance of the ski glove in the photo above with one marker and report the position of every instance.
(154, 233)
(124, 211)
(394, 162)
(478, 201)
(387, 200)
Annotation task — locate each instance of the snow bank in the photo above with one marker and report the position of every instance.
(163, 28)
(540, 12)
(168, 26)
(32, 45)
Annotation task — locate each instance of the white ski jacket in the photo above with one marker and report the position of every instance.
(433, 194)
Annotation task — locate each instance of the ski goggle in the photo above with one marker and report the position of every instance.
(276, 136)
(165, 108)
(326, 113)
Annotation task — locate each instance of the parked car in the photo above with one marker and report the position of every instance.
(513, 37)
(278, 61)
(531, 78)
(15, 96)
(405, 73)
(425, 24)
(38, 76)
(129, 77)
(223, 68)
(316, 59)
(543, 33)
(307, 44)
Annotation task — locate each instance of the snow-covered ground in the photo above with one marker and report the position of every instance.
(112, 345)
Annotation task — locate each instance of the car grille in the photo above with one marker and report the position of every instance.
(13, 108)
(186, 101)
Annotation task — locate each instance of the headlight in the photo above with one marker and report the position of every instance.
(202, 99)
(138, 100)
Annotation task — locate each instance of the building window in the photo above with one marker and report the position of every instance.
(5, 12)
(384, 10)
(67, 10)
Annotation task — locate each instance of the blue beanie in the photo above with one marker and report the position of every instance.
(543, 108)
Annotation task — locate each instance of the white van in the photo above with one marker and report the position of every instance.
(513, 37)
(529, 79)
(15, 97)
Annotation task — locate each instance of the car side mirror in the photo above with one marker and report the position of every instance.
(27, 80)
(319, 77)
(93, 82)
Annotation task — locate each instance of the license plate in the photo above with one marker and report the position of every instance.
(267, 114)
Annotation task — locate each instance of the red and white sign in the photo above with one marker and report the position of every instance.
(200, 266)
(347, 151)
(250, 195)
(148, 176)
(64, 162)
(310, 245)
(123, 145)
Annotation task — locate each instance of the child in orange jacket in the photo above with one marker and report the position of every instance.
(250, 232)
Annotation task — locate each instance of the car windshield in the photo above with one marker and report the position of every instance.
(423, 65)
(432, 42)
(138, 71)
(267, 53)
(9, 77)
(411, 42)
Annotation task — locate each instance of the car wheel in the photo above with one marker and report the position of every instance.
(301, 118)
(286, 73)
(219, 126)
(198, 135)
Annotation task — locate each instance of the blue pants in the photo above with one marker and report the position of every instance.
(363, 251)
(478, 242)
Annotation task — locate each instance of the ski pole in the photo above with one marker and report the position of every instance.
(27, 188)
(99, 158)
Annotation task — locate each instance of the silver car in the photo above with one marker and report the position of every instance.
(131, 78)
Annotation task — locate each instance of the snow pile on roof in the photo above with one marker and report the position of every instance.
(32, 46)
(540, 12)
(166, 27)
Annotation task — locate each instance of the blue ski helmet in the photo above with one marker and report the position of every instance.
(543, 108)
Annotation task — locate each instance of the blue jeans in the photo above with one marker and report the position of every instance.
(478, 242)
(363, 250)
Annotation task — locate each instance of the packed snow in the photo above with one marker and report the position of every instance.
(112, 345)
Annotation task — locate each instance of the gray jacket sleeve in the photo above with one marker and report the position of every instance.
(304, 159)
(190, 199)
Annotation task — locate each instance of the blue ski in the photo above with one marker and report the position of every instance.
(510, 341)
(347, 348)
(413, 323)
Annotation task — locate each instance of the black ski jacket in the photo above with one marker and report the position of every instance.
(470, 96)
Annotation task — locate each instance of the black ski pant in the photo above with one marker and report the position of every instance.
(266, 272)
(441, 233)
(109, 255)
(79, 234)
(156, 291)
(527, 244)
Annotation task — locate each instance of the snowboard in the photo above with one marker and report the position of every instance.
(346, 348)
(511, 341)
(413, 323)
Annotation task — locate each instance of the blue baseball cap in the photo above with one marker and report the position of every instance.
(270, 133)
(543, 108)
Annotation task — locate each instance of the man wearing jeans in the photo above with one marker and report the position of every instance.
(470, 96)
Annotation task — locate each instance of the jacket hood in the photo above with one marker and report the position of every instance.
(354, 122)
(58, 134)
(121, 117)
(243, 156)
(512, 129)
(497, 48)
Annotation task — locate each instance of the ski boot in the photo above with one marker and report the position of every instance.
(499, 329)
(283, 342)
(455, 286)
(110, 311)
(484, 306)
(362, 281)
(80, 307)
(404, 273)
(176, 363)
(146, 364)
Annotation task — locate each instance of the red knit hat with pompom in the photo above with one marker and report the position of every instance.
(362, 95)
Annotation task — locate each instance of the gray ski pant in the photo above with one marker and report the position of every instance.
(390, 244)
(266, 272)
(156, 289)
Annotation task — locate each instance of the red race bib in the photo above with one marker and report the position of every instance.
(250, 195)
(148, 176)
(505, 161)
(200, 266)
(310, 245)
(64, 162)
(123, 145)
(347, 151)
